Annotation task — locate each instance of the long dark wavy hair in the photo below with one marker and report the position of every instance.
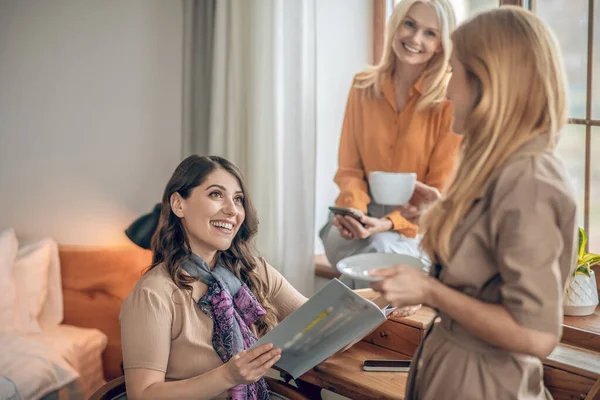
(170, 244)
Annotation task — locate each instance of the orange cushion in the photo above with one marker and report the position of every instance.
(95, 282)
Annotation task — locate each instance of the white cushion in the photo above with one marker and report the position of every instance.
(52, 313)
(31, 280)
(8, 252)
(82, 348)
(35, 368)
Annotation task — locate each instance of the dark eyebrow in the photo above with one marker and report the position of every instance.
(222, 188)
(418, 23)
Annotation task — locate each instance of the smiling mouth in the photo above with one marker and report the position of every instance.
(410, 49)
(225, 227)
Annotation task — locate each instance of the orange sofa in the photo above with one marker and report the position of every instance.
(95, 282)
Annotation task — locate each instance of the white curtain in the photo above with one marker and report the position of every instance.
(262, 116)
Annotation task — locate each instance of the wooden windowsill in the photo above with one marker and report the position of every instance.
(583, 331)
(323, 269)
(587, 323)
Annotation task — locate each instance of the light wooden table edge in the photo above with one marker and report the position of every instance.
(343, 384)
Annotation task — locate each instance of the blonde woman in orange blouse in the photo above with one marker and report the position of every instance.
(397, 120)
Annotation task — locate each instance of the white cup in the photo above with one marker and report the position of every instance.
(392, 188)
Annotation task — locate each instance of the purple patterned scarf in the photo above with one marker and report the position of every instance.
(233, 309)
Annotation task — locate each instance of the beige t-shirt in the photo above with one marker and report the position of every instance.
(163, 329)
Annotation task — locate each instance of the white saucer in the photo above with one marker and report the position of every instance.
(359, 265)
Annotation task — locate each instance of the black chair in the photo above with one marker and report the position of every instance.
(113, 390)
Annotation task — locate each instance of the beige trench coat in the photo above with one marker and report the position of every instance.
(516, 247)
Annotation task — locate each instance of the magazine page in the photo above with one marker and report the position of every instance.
(326, 323)
(387, 310)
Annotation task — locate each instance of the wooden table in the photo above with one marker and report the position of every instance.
(396, 339)
(572, 373)
(343, 374)
(569, 372)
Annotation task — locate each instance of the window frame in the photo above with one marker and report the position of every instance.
(588, 122)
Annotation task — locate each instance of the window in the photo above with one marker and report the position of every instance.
(574, 26)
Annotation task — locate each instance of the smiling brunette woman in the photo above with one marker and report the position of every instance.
(188, 322)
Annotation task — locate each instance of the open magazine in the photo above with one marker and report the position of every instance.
(332, 319)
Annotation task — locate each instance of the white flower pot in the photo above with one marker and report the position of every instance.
(581, 296)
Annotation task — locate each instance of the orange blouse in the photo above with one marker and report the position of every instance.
(375, 137)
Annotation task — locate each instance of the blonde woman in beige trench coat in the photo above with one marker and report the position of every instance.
(503, 237)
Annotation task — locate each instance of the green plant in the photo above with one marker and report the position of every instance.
(585, 260)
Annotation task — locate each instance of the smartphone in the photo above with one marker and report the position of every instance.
(344, 211)
(387, 365)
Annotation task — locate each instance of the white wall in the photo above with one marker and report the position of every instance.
(344, 47)
(90, 114)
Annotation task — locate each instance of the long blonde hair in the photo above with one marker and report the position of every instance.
(513, 60)
(435, 76)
